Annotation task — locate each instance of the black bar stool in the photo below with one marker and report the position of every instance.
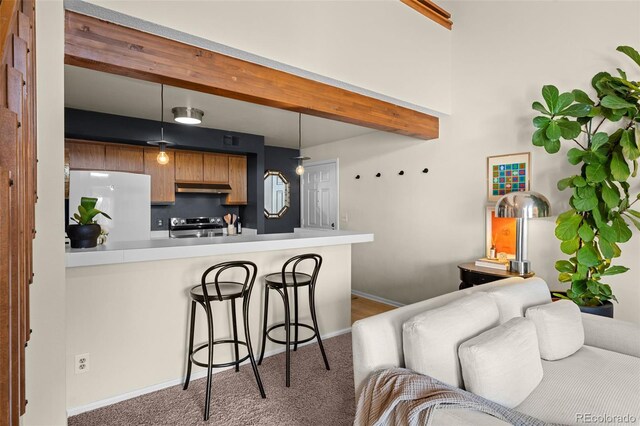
(281, 282)
(220, 291)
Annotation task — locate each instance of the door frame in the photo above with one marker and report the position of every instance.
(335, 161)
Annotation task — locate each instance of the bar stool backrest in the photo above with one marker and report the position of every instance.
(296, 260)
(250, 269)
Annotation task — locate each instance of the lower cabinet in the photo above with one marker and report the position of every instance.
(163, 177)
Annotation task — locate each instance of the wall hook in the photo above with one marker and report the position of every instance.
(401, 172)
(379, 174)
(425, 170)
(357, 176)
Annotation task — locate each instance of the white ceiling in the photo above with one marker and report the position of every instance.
(109, 93)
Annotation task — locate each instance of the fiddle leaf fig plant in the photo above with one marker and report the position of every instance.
(605, 130)
(87, 212)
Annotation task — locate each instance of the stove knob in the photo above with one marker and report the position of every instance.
(174, 222)
(182, 222)
(212, 220)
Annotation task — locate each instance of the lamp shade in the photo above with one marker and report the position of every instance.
(526, 204)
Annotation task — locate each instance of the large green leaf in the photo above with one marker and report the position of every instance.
(585, 204)
(553, 131)
(576, 110)
(541, 122)
(570, 246)
(565, 277)
(606, 248)
(569, 129)
(620, 227)
(619, 167)
(588, 255)
(635, 222)
(539, 137)
(586, 233)
(579, 181)
(552, 146)
(614, 102)
(564, 183)
(550, 94)
(634, 213)
(615, 270)
(610, 195)
(582, 97)
(629, 148)
(598, 140)
(567, 228)
(540, 108)
(607, 232)
(565, 266)
(630, 52)
(564, 216)
(597, 172)
(574, 155)
(564, 100)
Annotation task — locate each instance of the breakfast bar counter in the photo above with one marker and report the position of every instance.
(128, 306)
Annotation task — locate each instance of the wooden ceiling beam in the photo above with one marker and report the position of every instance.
(104, 46)
(431, 10)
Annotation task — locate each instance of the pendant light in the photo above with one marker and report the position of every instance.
(163, 157)
(186, 115)
(300, 158)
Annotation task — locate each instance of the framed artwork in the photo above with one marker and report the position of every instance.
(501, 232)
(508, 173)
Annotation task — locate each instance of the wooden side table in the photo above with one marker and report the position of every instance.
(471, 275)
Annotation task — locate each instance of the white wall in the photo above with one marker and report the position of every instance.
(45, 355)
(384, 46)
(503, 53)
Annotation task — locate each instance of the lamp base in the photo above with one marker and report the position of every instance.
(520, 267)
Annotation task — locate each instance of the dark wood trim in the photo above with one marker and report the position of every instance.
(431, 11)
(104, 46)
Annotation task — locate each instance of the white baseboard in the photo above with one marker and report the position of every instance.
(194, 376)
(377, 299)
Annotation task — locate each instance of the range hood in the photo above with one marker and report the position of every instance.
(207, 188)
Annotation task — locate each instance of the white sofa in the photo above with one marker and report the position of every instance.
(595, 384)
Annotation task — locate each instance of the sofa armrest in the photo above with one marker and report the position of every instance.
(611, 334)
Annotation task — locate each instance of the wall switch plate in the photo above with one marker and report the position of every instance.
(82, 363)
(159, 222)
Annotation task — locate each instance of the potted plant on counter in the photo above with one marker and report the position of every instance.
(84, 234)
(605, 132)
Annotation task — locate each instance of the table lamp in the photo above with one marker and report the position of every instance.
(522, 206)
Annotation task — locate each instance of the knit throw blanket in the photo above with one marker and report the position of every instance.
(402, 397)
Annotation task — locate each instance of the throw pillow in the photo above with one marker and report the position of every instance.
(559, 327)
(514, 299)
(503, 364)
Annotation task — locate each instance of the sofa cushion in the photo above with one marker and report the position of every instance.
(502, 364)
(592, 382)
(513, 300)
(430, 340)
(559, 328)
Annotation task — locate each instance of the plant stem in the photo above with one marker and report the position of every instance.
(598, 126)
(579, 144)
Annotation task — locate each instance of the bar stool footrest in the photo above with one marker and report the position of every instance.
(218, 342)
(292, 341)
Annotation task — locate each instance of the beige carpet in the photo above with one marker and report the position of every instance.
(316, 396)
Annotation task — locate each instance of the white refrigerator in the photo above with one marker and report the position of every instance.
(126, 197)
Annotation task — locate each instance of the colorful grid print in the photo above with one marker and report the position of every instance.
(509, 178)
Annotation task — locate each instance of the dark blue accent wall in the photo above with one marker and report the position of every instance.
(89, 125)
(276, 158)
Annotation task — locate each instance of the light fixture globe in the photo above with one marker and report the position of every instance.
(186, 115)
(522, 206)
(300, 170)
(162, 158)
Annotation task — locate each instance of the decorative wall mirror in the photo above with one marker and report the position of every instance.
(276, 194)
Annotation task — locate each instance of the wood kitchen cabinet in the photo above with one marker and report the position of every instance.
(163, 178)
(85, 155)
(216, 168)
(189, 166)
(124, 158)
(237, 180)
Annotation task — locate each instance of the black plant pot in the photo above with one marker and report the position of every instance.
(604, 310)
(83, 236)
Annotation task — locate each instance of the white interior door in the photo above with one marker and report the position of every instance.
(320, 195)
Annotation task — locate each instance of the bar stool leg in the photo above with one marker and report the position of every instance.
(207, 398)
(247, 336)
(295, 318)
(235, 333)
(264, 323)
(312, 307)
(287, 326)
(191, 333)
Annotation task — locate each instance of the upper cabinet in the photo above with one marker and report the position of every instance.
(216, 168)
(189, 166)
(85, 155)
(124, 158)
(163, 179)
(237, 180)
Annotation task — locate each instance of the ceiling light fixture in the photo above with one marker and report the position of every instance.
(186, 115)
(163, 157)
(300, 158)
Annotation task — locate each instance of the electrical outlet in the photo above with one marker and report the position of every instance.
(159, 222)
(82, 363)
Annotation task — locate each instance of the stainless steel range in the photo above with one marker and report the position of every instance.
(195, 227)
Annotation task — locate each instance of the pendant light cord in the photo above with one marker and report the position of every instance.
(161, 112)
(300, 134)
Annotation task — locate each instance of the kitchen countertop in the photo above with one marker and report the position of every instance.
(172, 248)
